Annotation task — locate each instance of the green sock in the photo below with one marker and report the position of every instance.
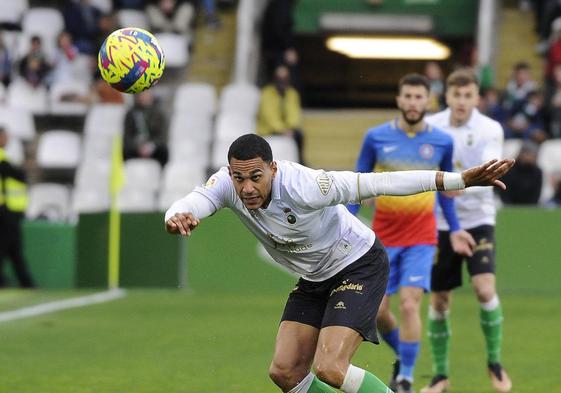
(492, 325)
(439, 337)
(371, 384)
(318, 386)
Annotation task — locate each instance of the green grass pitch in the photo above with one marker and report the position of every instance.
(218, 335)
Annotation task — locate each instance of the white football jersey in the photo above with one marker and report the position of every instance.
(477, 141)
(305, 227)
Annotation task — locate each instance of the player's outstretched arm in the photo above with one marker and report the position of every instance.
(182, 223)
(487, 174)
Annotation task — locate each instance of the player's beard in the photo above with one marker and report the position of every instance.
(413, 121)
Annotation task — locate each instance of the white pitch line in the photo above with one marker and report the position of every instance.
(46, 308)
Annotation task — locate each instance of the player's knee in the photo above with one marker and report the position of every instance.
(409, 307)
(330, 372)
(484, 293)
(440, 302)
(286, 376)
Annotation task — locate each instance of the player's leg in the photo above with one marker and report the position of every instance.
(332, 363)
(294, 351)
(297, 339)
(482, 269)
(386, 320)
(446, 275)
(415, 271)
(389, 330)
(350, 314)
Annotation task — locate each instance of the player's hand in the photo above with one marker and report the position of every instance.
(182, 223)
(487, 174)
(462, 243)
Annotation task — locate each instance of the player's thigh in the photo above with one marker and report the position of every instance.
(295, 347)
(394, 257)
(416, 264)
(483, 259)
(356, 294)
(336, 345)
(447, 268)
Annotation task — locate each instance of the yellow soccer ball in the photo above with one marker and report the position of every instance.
(131, 60)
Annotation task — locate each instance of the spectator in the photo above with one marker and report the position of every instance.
(129, 4)
(82, 22)
(145, 130)
(554, 49)
(103, 92)
(433, 72)
(107, 25)
(490, 105)
(13, 202)
(170, 16)
(34, 67)
(524, 181)
(553, 103)
(63, 66)
(519, 86)
(5, 62)
(277, 38)
(280, 112)
(211, 15)
(527, 121)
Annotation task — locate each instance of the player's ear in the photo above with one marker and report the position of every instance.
(273, 167)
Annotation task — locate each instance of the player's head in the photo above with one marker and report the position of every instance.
(462, 94)
(413, 98)
(252, 170)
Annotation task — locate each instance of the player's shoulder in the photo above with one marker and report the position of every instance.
(439, 119)
(219, 179)
(300, 184)
(485, 123)
(381, 129)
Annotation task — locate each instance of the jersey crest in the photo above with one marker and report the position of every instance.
(324, 182)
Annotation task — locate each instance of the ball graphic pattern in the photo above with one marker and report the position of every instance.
(131, 60)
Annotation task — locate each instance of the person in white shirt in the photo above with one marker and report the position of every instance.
(298, 214)
(477, 139)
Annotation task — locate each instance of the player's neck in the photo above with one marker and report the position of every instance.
(414, 128)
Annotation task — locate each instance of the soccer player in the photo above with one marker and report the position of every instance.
(297, 213)
(477, 138)
(407, 225)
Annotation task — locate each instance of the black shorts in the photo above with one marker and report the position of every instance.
(351, 298)
(447, 270)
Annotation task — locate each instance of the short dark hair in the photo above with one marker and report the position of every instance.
(250, 146)
(413, 80)
(462, 77)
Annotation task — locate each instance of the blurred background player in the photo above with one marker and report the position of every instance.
(407, 226)
(13, 202)
(477, 139)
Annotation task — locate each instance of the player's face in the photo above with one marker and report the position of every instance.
(461, 100)
(253, 180)
(412, 101)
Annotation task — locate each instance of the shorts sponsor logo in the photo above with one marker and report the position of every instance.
(416, 278)
(340, 306)
(484, 245)
(347, 286)
(324, 182)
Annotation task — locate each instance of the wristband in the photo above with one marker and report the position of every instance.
(453, 181)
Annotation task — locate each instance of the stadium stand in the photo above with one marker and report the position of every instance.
(49, 201)
(59, 149)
